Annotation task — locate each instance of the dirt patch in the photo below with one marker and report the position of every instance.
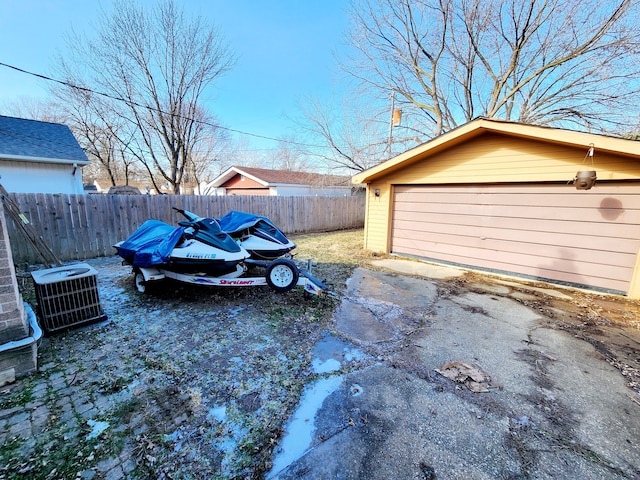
(610, 323)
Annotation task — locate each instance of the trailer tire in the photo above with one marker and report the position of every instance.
(282, 275)
(140, 283)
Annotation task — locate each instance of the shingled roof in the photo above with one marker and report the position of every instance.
(272, 178)
(33, 140)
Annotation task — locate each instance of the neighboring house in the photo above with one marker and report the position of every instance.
(500, 196)
(261, 181)
(39, 157)
(134, 186)
(123, 190)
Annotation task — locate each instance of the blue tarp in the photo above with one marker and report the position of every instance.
(151, 244)
(235, 221)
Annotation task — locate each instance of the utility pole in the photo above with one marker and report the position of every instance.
(393, 106)
(394, 120)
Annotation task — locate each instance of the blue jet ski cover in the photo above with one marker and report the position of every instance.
(151, 244)
(235, 221)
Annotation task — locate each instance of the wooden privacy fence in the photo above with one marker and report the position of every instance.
(78, 227)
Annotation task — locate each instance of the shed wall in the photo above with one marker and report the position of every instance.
(491, 158)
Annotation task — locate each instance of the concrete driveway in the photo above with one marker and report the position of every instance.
(401, 373)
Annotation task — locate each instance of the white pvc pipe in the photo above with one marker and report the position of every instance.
(28, 341)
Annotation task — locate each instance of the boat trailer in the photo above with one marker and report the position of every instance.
(281, 275)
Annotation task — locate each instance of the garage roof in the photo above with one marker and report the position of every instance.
(480, 126)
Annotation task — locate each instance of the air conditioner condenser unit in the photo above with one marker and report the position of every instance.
(67, 297)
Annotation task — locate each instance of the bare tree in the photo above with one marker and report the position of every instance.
(290, 155)
(243, 153)
(209, 154)
(353, 137)
(34, 109)
(569, 63)
(155, 66)
(98, 130)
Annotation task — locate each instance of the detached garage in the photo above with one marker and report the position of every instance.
(501, 196)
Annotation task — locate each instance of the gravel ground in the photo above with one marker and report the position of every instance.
(194, 382)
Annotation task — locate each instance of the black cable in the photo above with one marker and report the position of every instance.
(130, 102)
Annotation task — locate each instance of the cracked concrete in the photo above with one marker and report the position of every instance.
(560, 410)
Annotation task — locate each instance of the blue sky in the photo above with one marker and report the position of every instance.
(285, 50)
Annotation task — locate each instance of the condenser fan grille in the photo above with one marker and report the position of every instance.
(67, 297)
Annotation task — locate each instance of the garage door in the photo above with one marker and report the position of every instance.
(548, 231)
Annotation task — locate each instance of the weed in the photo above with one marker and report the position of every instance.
(114, 385)
(20, 396)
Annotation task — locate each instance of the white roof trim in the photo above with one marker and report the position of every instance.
(22, 158)
(248, 175)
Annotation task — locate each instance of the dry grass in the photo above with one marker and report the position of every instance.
(335, 247)
(336, 254)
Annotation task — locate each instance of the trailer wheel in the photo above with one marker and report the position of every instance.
(282, 275)
(140, 282)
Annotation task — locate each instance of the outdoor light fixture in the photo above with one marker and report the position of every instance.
(376, 192)
(585, 179)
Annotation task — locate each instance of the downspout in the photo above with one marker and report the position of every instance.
(28, 341)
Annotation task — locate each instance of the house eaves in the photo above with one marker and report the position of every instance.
(468, 131)
(65, 161)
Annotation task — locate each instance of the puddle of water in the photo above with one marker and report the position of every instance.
(298, 433)
(217, 413)
(97, 428)
(328, 366)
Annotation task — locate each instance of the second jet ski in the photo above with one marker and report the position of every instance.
(256, 234)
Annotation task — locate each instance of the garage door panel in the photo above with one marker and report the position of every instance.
(624, 232)
(498, 251)
(517, 198)
(550, 231)
(539, 266)
(483, 235)
(559, 212)
(600, 190)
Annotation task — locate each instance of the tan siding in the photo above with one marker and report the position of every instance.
(377, 218)
(499, 158)
(551, 231)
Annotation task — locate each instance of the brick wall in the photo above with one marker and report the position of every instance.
(13, 321)
(13, 325)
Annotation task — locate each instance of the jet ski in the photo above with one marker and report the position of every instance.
(256, 234)
(197, 247)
